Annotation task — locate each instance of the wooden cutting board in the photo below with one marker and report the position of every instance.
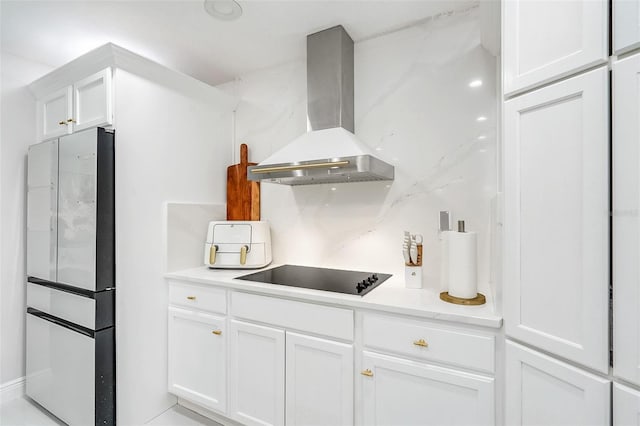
(243, 196)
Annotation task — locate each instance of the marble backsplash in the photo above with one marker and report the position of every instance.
(415, 108)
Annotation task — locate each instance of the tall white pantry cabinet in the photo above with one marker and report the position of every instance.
(571, 212)
(172, 137)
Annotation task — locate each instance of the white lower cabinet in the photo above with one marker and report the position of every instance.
(626, 406)
(397, 391)
(541, 390)
(197, 358)
(319, 380)
(256, 374)
(262, 361)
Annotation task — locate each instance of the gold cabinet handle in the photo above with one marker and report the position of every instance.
(217, 332)
(71, 120)
(212, 254)
(62, 123)
(191, 297)
(421, 342)
(243, 255)
(367, 373)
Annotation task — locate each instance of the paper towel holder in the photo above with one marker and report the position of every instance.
(478, 300)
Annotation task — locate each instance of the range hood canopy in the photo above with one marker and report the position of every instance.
(329, 152)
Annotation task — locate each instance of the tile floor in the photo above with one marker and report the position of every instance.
(24, 412)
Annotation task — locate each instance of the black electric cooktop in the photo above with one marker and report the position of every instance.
(336, 280)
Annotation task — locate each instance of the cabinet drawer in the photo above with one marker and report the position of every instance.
(429, 342)
(324, 320)
(198, 297)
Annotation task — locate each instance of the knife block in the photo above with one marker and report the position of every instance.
(413, 276)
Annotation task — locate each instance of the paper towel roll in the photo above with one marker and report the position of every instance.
(444, 261)
(462, 265)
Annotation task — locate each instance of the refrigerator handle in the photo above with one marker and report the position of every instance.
(62, 323)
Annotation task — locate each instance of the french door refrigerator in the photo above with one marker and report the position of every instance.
(70, 349)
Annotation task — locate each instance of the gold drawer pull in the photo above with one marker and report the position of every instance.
(191, 297)
(367, 373)
(71, 120)
(62, 123)
(421, 342)
(217, 332)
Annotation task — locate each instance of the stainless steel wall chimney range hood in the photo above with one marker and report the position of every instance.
(329, 152)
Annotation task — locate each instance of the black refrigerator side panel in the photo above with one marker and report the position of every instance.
(105, 381)
(105, 212)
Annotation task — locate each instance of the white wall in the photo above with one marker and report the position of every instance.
(169, 147)
(413, 103)
(17, 132)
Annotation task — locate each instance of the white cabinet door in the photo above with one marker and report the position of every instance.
(626, 25)
(543, 391)
(626, 406)
(319, 381)
(256, 374)
(55, 114)
(626, 220)
(546, 40)
(92, 101)
(556, 165)
(197, 358)
(402, 392)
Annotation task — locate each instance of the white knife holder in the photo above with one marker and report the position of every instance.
(413, 276)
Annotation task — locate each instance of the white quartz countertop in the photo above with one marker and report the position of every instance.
(390, 296)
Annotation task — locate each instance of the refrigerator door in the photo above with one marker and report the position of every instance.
(61, 369)
(77, 201)
(42, 190)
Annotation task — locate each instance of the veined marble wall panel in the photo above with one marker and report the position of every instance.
(415, 109)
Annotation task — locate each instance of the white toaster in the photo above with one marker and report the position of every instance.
(238, 244)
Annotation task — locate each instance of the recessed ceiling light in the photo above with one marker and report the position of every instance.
(482, 118)
(475, 83)
(226, 10)
(333, 188)
(482, 137)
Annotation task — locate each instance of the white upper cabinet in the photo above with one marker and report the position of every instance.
(626, 220)
(556, 165)
(55, 113)
(83, 104)
(546, 40)
(626, 25)
(92, 101)
(543, 391)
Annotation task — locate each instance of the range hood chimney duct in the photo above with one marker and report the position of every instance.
(329, 152)
(330, 80)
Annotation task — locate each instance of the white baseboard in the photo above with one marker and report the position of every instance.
(208, 413)
(12, 389)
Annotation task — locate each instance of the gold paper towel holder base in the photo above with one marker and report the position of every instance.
(478, 300)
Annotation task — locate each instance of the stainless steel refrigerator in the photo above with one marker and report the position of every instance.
(70, 320)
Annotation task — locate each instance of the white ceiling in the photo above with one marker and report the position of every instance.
(181, 35)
